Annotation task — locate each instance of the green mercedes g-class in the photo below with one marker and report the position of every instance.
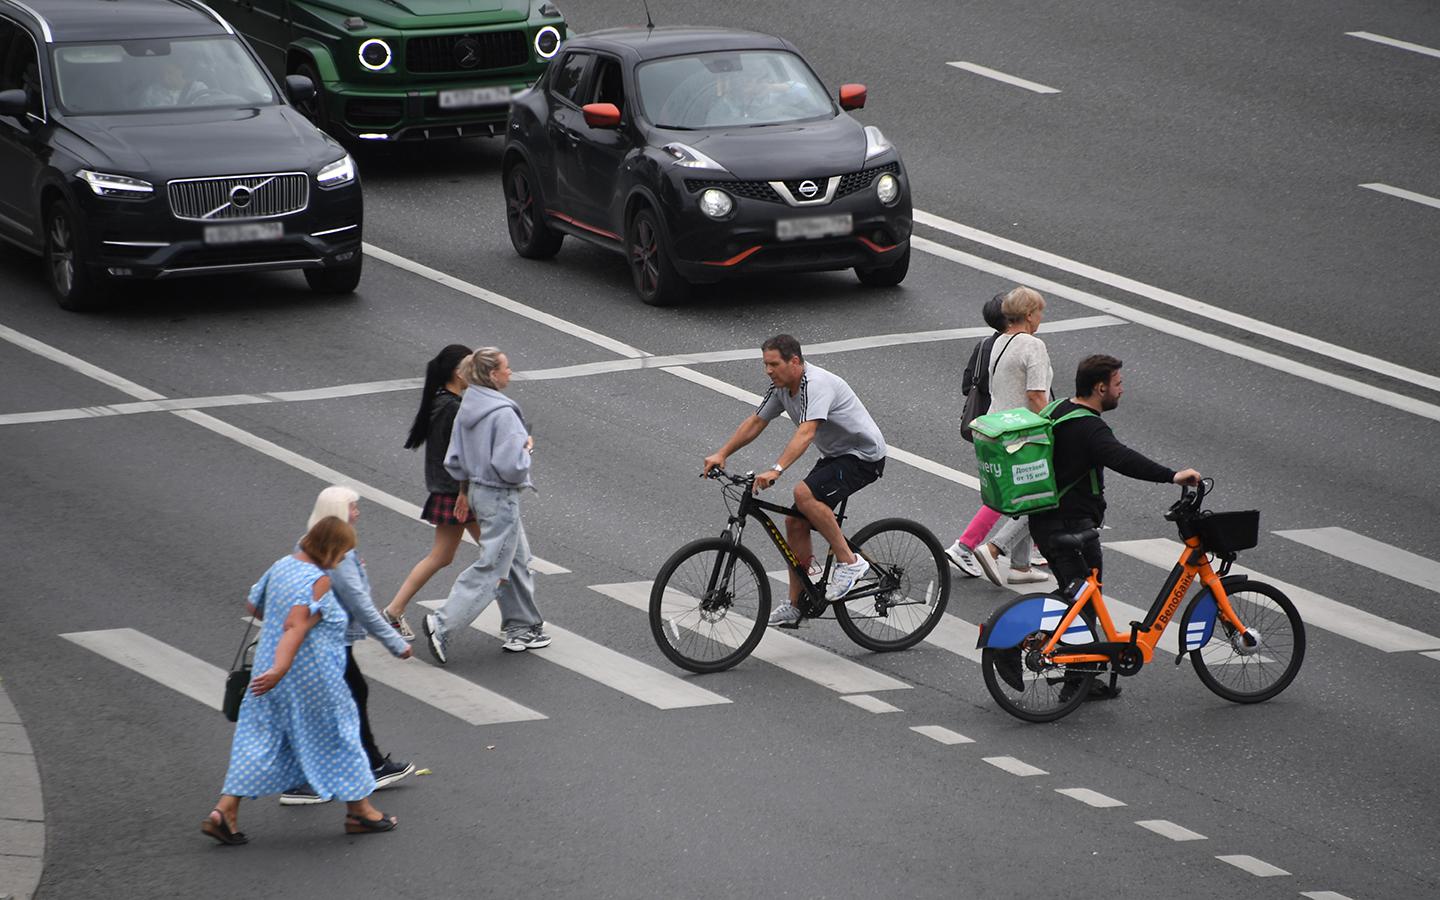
(396, 70)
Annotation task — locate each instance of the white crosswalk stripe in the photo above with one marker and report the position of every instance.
(158, 661)
(1371, 554)
(447, 692)
(599, 663)
(1316, 610)
(798, 657)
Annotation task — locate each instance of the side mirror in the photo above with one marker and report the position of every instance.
(852, 96)
(299, 88)
(14, 103)
(601, 115)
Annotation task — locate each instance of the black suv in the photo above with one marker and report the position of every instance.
(702, 153)
(143, 139)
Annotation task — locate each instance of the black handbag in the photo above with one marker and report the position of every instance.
(976, 384)
(238, 681)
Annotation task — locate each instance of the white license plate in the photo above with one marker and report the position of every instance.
(244, 234)
(464, 98)
(814, 227)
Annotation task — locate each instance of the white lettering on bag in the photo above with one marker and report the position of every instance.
(1026, 473)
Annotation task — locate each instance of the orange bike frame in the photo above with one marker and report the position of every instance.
(1193, 562)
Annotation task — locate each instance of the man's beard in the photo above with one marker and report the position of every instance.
(1108, 403)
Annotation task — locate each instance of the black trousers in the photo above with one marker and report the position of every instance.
(1067, 565)
(360, 690)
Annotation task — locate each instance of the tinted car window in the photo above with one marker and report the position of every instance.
(154, 75)
(19, 66)
(565, 81)
(608, 85)
(718, 90)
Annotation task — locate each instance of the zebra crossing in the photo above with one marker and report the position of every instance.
(667, 689)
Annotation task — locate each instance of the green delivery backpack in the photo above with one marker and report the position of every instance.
(1015, 450)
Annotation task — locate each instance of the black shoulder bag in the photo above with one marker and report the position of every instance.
(238, 681)
(975, 384)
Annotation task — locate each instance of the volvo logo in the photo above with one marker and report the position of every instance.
(808, 189)
(467, 53)
(240, 196)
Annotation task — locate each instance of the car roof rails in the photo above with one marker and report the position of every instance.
(44, 25)
(198, 5)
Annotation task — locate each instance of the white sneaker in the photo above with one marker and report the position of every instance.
(963, 559)
(843, 579)
(785, 616)
(1037, 558)
(989, 565)
(1027, 576)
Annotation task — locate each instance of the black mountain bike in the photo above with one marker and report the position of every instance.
(711, 600)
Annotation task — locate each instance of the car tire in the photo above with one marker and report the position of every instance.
(314, 109)
(886, 276)
(336, 279)
(656, 279)
(525, 216)
(77, 286)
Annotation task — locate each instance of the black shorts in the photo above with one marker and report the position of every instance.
(836, 477)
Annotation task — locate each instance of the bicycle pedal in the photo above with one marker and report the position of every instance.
(790, 626)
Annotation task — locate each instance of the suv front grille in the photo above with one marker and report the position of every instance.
(761, 190)
(750, 190)
(859, 181)
(239, 196)
(467, 52)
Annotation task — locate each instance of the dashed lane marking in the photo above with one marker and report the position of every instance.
(941, 734)
(1257, 867)
(1370, 553)
(1090, 798)
(1394, 42)
(871, 704)
(1002, 77)
(1166, 828)
(1403, 194)
(1323, 895)
(1014, 766)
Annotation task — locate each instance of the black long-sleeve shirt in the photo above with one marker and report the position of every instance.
(1085, 444)
(442, 419)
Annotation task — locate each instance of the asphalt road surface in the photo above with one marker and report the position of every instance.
(1192, 198)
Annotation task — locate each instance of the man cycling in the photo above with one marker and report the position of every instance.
(827, 413)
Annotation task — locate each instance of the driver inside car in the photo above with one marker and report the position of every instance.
(173, 88)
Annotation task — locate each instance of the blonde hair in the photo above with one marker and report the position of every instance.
(327, 541)
(479, 367)
(334, 501)
(1019, 303)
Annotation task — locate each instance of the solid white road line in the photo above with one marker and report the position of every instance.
(1002, 77)
(1256, 867)
(1370, 553)
(1323, 895)
(871, 704)
(829, 670)
(1433, 654)
(1150, 292)
(1315, 610)
(1090, 798)
(447, 692)
(600, 664)
(158, 661)
(943, 735)
(1393, 42)
(1402, 194)
(1014, 766)
(1169, 829)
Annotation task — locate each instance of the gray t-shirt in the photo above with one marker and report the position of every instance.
(845, 425)
(1018, 363)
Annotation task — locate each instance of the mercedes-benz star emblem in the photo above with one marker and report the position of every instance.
(240, 196)
(809, 189)
(467, 53)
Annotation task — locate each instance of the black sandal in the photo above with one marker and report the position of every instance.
(360, 825)
(221, 831)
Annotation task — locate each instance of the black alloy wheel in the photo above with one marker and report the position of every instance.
(77, 287)
(656, 279)
(525, 217)
(886, 276)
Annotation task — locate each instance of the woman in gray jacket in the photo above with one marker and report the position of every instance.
(489, 455)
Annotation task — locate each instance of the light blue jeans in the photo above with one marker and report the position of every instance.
(502, 571)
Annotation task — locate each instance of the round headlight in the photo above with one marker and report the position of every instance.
(716, 204)
(375, 54)
(547, 41)
(887, 188)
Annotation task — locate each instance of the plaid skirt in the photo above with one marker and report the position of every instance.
(440, 510)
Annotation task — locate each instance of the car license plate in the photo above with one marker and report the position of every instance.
(465, 98)
(814, 227)
(244, 233)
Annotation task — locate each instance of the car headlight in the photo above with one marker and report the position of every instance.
(887, 188)
(341, 171)
(547, 41)
(716, 203)
(375, 54)
(875, 142)
(691, 158)
(115, 185)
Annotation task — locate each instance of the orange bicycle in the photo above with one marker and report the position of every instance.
(1040, 654)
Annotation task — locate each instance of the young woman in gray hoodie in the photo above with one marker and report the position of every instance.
(489, 455)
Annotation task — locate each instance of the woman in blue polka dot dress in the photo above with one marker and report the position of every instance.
(298, 722)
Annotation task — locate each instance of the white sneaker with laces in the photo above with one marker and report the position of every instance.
(843, 579)
(963, 559)
(784, 615)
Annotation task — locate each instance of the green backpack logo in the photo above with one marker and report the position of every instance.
(1015, 449)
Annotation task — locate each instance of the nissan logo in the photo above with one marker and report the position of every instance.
(809, 189)
(240, 196)
(467, 53)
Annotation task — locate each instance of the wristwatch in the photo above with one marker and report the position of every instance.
(779, 469)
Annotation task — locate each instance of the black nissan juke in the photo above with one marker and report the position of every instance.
(702, 153)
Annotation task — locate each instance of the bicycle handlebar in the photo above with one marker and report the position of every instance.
(720, 474)
(1191, 500)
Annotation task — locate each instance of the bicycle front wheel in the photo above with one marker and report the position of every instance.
(709, 605)
(1245, 672)
(905, 592)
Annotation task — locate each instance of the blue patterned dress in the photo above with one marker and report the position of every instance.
(306, 729)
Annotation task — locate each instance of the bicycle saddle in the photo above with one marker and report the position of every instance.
(1074, 541)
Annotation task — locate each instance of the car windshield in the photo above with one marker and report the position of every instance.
(732, 88)
(154, 75)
